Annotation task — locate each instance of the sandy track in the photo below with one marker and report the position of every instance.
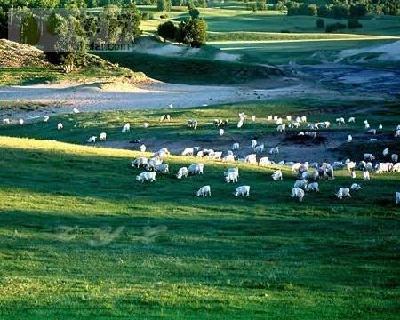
(90, 97)
(95, 97)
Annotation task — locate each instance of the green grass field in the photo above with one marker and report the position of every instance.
(82, 239)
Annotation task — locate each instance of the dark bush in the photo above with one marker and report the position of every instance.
(320, 23)
(354, 24)
(332, 27)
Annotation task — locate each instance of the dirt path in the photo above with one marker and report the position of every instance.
(96, 97)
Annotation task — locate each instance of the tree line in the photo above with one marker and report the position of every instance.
(337, 9)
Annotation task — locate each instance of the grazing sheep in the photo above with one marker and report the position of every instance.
(289, 118)
(182, 172)
(188, 151)
(298, 193)
(153, 163)
(46, 118)
(259, 149)
(343, 192)
(369, 157)
(221, 132)
(296, 167)
(204, 191)
(92, 139)
(142, 148)
(229, 158)
(264, 161)
(274, 150)
(240, 123)
(353, 174)
(6, 121)
(242, 191)
(235, 170)
(277, 175)
(103, 136)
(351, 120)
(163, 152)
(366, 175)
(340, 121)
(300, 184)
(146, 176)
(303, 119)
(253, 118)
(235, 146)
(60, 126)
(251, 159)
(397, 197)
(385, 152)
(281, 128)
(75, 110)
(145, 125)
(21, 121)
(397, 133)
(396, 167)
(231, 176)
(351, 165)
(349, 138)
(313, 186)
(279, 121)
(162, 168)
(394, 158)
(196, 168)
(253, 143)
(380, 127)
(126, 128)
(383, 167)
(140, 162)
(355, 186)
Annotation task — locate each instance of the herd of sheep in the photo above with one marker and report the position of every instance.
(307, 174)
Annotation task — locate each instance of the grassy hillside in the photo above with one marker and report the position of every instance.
(189, 70)
(81, 238)
(22, 64)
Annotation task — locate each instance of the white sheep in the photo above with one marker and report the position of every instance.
(126, 128)
(103, 136)
(204, 191)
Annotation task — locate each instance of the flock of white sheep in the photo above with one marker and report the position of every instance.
(307, 174)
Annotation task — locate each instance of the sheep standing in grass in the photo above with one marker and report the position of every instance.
(142, 148)
(46, 118)
(183, 172)
(242, 191)
(60, 126)
(126, 128)
(21, 121)
(343, 192)
(103, 136)
(397, 197)
(6, 121)
(204, 191)
(92, 139)
(277, 175)
(298, 193)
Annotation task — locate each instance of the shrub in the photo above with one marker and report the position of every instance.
(354, 24)
(334, 27)
(320, 23)
(167, 30)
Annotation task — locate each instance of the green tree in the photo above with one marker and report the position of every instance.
(164, 5)
(193, 32)
(167, 30)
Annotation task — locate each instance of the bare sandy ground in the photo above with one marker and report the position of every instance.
(61, 98)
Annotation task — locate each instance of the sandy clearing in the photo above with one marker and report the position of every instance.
(89, 97)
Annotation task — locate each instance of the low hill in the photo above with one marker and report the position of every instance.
(25, 64)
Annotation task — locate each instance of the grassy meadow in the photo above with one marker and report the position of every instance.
(82, 239)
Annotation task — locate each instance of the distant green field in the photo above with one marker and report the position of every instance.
(301, 52)
(238, 20)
